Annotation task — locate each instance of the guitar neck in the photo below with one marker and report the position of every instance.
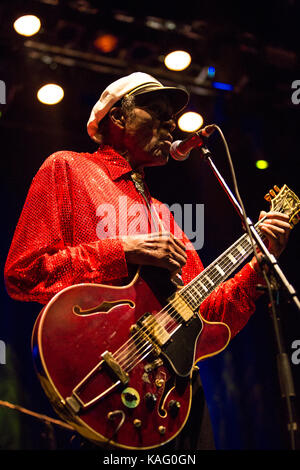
(218, 271)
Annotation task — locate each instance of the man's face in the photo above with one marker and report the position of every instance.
(148, 132)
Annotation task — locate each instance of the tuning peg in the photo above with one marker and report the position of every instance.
(294, 221)
(267, 197)
(272, 193)
(277, 189)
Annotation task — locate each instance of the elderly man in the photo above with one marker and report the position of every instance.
(78, 226)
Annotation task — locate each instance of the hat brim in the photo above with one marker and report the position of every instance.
(178, 97)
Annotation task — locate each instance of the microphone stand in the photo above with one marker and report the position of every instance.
(277, 279)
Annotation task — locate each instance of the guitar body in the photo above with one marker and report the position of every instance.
(142, 408)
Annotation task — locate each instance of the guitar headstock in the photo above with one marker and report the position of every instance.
(284, 200)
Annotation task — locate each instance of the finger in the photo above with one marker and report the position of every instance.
(262, 214)
(178, 258)
(282, 225)
(181, 257)
(277, 227)
(180, 243)
(159, 234)
(172, 265)
(276, 215)
(175, 244)
(176, 240)
(268, 231)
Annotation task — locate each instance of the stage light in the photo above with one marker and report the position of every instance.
(27, 25)
(177, 60)
(222, 86)
(262, 164)
(106, 43)
(211, 71)
(190, 121)
(50, 94)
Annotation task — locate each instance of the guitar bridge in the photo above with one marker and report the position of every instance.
(115, 367)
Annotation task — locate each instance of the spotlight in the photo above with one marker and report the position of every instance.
(27, 25)
(177, 60)
(190, 121)
(222, 86)
(106, 43)
(262, 164)
(211, 71)
(50, 94)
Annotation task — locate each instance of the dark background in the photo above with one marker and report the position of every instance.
(255, 47)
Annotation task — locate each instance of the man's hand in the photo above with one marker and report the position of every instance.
(276, 228)
(157, 249)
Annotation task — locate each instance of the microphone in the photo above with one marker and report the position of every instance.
(180, 149)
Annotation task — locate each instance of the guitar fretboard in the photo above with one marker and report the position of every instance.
(208, 280)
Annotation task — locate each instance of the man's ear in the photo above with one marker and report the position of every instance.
(117, 117)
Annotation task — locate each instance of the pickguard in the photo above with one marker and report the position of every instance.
(180, 351)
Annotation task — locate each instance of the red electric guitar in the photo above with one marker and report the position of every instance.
(117, 362)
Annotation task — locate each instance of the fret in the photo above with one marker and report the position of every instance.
(209, 280)
(241, 250)
(220, 270)
(232, 258)
(193, 296)
(204, 284)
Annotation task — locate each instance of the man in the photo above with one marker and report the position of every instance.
(79, 223)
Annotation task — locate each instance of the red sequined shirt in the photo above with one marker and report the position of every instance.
(68, 234)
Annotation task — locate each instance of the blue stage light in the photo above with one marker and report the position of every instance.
(211, 71)
(222, 86)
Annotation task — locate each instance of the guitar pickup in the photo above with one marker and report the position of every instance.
(151, 330)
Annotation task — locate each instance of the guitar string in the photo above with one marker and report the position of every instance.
(130, 361)
(135, 344)
(142, 339)
(133, 363)
(244, 240)
(163, 314)
(173, 304)
(233, 267)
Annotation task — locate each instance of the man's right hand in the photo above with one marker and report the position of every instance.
(156, 249)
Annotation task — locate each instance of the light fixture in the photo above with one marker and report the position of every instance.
(211, 71)
(222, 86)
(262, 164)
(27, 25)
(177, 60)
(106, 43)
(50, 94)
(190, 121)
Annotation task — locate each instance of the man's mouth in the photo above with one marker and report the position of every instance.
(168, 140)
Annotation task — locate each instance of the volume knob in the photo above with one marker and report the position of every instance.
(174, 407)
(151, 400)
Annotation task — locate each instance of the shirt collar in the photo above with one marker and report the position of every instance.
(115, 163)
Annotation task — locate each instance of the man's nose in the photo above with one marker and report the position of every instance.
(170, 124)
